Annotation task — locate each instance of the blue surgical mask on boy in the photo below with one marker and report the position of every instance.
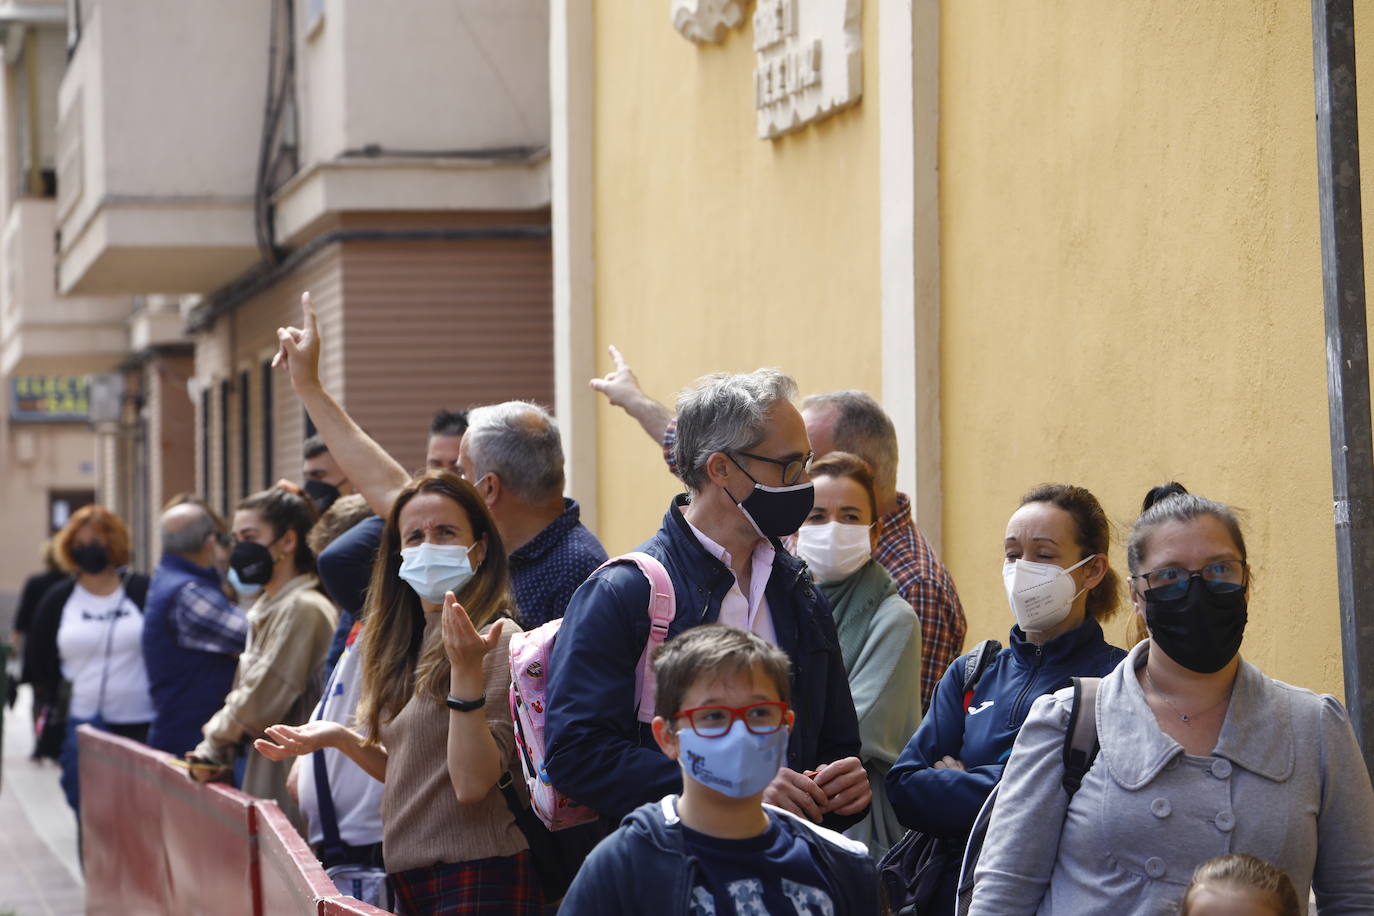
(433, 569)
(739, 763)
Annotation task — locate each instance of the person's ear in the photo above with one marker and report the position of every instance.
(1137, 600)
(478, 552)
(287, 543)
(718, 467)
(666, 737)
(790, 718)
(1094, 571)
(494, 489)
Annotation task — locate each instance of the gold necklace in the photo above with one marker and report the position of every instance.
(1182, 716)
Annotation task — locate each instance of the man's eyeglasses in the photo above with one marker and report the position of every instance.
(715, 721)
(1218, 578)
(792, 468)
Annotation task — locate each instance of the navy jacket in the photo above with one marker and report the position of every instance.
(644, 866)
(945, 802)
(188, 685)
(597, 753)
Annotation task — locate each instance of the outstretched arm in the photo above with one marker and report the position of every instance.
(285, 741)
(377, 475)
(621, 388)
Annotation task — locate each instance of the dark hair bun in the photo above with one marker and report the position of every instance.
(1163, 491)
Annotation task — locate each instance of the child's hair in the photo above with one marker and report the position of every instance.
(714, 650)
(1245, 872)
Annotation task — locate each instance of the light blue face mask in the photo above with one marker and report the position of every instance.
(739, 763)
(433, 569)
(242, 588)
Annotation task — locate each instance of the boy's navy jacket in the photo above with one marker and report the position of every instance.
(980, 734)
(598, 753)
(645, 866)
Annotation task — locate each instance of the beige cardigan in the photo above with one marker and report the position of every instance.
(278, 681)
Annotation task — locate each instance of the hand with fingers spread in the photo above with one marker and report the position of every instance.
(845, 784)
(285, 741)
(798, 793)
(466, 648)
(298, 349)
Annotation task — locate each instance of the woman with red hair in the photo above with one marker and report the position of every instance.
(86, 641)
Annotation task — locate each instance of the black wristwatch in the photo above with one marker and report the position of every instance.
(466, 705)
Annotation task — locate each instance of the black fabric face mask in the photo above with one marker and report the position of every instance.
(321, 493)
(252, 562)
(91, 558)
(1202, 630)
(776, 512)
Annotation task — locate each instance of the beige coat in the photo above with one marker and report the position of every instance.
(278, 681)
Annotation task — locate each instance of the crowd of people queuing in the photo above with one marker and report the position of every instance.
(343, 647)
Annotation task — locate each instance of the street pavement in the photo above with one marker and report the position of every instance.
(40, 874)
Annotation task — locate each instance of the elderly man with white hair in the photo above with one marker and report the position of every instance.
(743, 453)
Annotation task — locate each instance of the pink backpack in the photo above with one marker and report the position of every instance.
(529, 670)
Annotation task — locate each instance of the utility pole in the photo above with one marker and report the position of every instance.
(1347, 351)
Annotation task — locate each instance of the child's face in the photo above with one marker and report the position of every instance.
(1228, 901)
(731, 688)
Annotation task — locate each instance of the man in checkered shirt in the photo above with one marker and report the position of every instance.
(849, 421)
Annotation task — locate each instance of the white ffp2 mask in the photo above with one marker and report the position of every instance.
(1040, 594)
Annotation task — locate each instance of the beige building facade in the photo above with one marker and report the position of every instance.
(1060, 241)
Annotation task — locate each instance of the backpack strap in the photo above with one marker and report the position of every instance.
(1080, 740)
(662, 609)
(975, 664)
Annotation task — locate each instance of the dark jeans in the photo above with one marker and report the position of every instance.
(71, 782)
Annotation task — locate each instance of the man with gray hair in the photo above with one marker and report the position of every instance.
(511, 452)
(850, 421)
(743, 452)
(192, 634)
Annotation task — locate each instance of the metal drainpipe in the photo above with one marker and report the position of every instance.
(1347, 352)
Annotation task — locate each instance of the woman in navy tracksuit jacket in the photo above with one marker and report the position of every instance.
(950, 766)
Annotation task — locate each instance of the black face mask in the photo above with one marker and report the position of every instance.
(252, 562)
(91, 558)
(776, 512)
(1202, 630)
(321, 493)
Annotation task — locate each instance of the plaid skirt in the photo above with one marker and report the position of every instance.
(501, 884)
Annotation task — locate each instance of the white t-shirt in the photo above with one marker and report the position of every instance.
(100, 642)
(357, 796)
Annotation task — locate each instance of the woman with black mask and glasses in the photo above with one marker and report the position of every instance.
(289, 629)
(1200, 754)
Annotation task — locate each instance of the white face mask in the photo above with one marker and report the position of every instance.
(834, 551)
(738, 764)
(433, 569)
(1040, 594)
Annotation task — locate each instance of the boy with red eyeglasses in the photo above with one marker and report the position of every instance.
(722, 713)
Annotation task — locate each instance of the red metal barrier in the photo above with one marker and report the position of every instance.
(154, 842)
(292, 880)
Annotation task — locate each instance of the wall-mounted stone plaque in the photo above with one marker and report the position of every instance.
(810, 62)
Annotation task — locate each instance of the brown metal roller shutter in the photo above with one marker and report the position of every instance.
(443, 324)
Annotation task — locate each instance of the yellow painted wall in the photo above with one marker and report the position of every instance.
(716, 250)
(1131, 286)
